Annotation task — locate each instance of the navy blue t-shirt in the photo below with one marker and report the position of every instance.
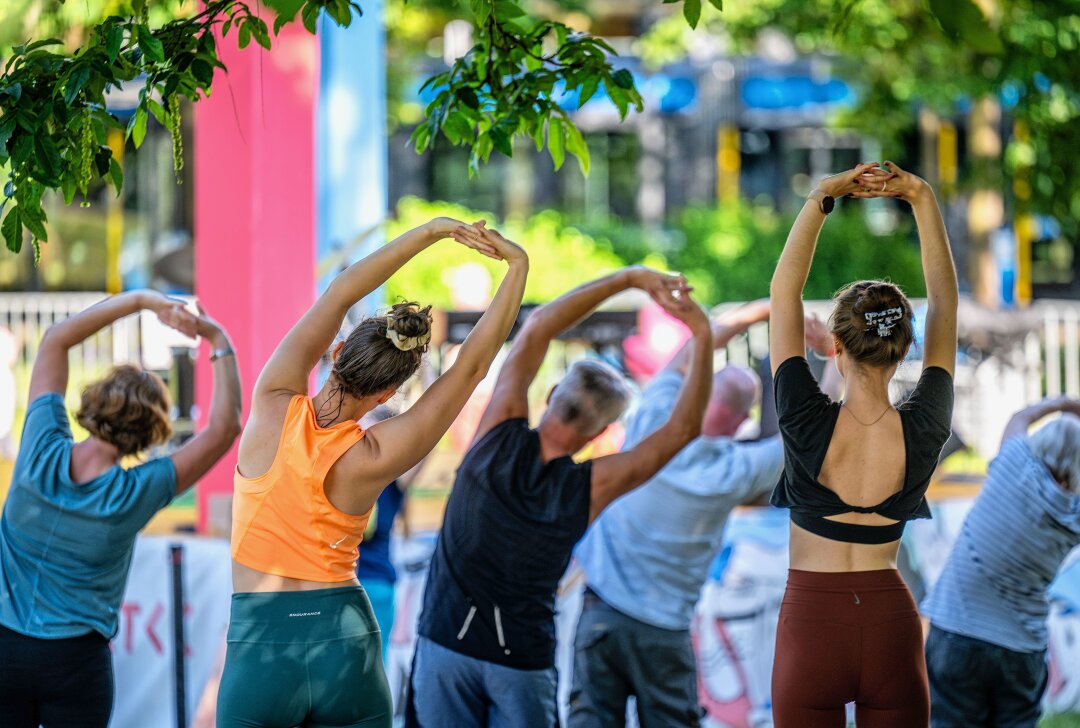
(375, 563)
(510, 527)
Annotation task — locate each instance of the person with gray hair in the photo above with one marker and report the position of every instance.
(485, 654)
(647, 557)
(986, 652)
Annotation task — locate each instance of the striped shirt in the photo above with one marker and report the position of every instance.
(1021, 528)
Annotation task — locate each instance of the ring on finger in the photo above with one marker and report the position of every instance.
(883, 185)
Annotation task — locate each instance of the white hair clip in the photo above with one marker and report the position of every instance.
(884, 320)
(405, 343)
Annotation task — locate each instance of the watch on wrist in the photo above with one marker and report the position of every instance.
(826, 203)
(220, 353)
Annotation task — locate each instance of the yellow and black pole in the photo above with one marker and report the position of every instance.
(114, 221)
(728, 164)
(1024, 223)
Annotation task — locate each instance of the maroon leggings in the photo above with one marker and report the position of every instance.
(849, 637)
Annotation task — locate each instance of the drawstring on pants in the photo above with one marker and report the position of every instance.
(498, 627)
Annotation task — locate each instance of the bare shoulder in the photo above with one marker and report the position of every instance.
(262, 433)
(355, 481)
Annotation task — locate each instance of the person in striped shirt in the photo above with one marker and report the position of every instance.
(986, 652)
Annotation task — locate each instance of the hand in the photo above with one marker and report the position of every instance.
(490, 243)
(211, 330)
(170, 311)
(661, 287)
(442, 227)
(1064, 403)
(686, 309)
(854, 181)
(894, 182)
(818, 337)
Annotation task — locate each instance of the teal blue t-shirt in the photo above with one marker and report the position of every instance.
(65, 548)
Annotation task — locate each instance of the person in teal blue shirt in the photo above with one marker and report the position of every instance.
(73, 511)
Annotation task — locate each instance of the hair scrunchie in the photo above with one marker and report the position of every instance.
(405, 343)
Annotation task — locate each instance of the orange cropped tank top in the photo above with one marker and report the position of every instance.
(283, 523)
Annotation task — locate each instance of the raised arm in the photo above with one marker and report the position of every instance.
(510, 396)
(939, 349)
(786, 334)
(1021, 422)
(210, 444)
(614, 475)
(724, 328)
(392, 447)
(50, 373)
(299, 352)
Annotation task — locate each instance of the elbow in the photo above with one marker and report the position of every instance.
(686, 429)
(53, 338)
(471, 371)
(530, 332)
(226, 429)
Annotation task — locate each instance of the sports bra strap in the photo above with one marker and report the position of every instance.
(847, 532)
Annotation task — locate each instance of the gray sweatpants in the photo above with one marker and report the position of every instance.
(616, 656)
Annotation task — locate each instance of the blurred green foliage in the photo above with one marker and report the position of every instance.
(560, 256)
(728, 253)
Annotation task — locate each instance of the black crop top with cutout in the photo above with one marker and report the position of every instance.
(807, 419)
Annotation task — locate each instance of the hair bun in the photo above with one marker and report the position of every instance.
(409, 320)
(873, 321)
(874, 300)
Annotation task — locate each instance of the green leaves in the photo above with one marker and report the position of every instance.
(12, 230)
(962, 20)
(692, 12)
(75, 83)
(512, 82)
(575, 144)
(114, 38)
(692, 9)
(557, 141)
(136, 130)
(150, 46)
(53, 121)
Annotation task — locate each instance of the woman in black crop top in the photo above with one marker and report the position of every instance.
(855, 471)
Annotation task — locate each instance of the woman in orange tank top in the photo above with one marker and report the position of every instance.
(303, 646)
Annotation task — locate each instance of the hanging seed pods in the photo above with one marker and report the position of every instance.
(87, 144)
(173, 108)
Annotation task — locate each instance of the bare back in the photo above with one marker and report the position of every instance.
(863, 466)
(851, 479)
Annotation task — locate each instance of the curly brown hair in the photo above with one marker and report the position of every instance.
(129, 408)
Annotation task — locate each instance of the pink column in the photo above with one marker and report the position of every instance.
(254, 214)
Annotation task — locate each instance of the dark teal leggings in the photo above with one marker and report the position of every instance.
(308, 658)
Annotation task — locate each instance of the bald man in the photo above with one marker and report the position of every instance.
(648, 555)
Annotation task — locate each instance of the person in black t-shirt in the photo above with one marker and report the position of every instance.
(856, 471)
(485, 654)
